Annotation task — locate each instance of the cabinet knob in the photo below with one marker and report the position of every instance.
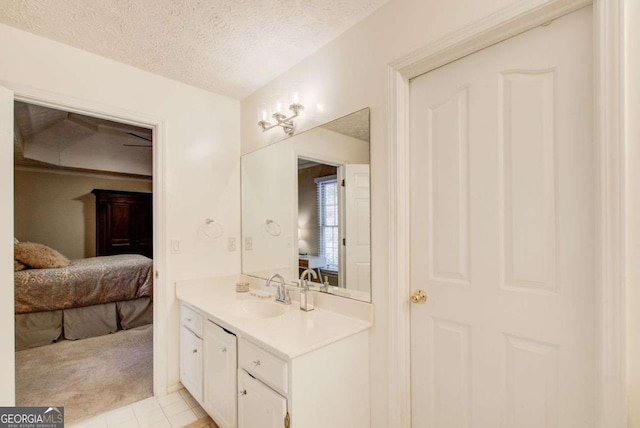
(189, 319)
(195, 351)
(256, 363)
(243, 392)
(223, 349)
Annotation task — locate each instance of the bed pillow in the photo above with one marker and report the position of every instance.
(17, 266)
(39, 256)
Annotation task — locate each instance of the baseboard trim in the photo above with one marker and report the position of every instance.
(173, 388)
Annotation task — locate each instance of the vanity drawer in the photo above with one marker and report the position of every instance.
(192, 320)
(263, 365)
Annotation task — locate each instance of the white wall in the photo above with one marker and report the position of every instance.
(347, 75)
(201, 163)
(268, 186)
(633, 207)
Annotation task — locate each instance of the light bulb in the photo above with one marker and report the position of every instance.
(263, 111)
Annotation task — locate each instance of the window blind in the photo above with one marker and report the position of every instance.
(328, 239)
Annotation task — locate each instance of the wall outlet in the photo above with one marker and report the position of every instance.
(231, 245)
(175, 247)
(248, 243)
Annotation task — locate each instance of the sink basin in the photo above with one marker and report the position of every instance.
(258, 309)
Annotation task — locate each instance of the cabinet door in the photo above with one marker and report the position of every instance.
(118, 226)
(258, 405)
(191, 362)
(142, 227)
(220, 363)
(124, 223)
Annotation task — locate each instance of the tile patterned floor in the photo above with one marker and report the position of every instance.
(176, 410)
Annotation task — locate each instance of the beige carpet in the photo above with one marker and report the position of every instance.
(88, 376)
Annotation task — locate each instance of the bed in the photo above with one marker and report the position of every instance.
(88, 298)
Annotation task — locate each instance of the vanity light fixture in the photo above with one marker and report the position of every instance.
(282, 120)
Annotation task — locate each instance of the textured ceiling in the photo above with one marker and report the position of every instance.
(231, 47)
(355, 125)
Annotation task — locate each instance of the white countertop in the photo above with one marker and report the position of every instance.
(289, 335)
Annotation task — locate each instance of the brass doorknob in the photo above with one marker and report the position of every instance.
(418, 296)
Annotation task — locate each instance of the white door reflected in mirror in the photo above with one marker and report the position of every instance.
(357, 230)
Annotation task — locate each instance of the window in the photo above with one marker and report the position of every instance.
(328, 238)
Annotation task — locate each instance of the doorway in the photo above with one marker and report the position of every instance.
(75, 105)
(83, 192)
(608, 24)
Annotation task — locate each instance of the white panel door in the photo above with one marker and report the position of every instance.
(191, 362)
(503, 197)
(357, 265)
(220, 364)
(258, 405)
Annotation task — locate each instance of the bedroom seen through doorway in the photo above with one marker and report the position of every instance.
(83, 261)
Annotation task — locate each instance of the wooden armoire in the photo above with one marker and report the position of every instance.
(124, 223)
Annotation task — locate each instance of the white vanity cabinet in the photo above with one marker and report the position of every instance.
(327, 387)
(220, 365)
(298, 369)
(258, 405)
(263, 386)
(264, 365)
(191, 354)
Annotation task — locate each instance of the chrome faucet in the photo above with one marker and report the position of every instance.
(306, 273)
(282, 294)
(306, 297)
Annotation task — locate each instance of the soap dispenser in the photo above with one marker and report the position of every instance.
(325, 286)
(306, 297)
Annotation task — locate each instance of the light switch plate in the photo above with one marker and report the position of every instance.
(175, 246)
(231, 244)
(248, 243)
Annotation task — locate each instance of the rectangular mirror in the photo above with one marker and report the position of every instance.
(305, 205)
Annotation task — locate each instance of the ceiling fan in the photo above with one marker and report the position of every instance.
(139, 145)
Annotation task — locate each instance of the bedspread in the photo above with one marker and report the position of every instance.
(84, 282)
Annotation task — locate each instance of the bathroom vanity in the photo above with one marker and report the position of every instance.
(252, 362)
(256, 363)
